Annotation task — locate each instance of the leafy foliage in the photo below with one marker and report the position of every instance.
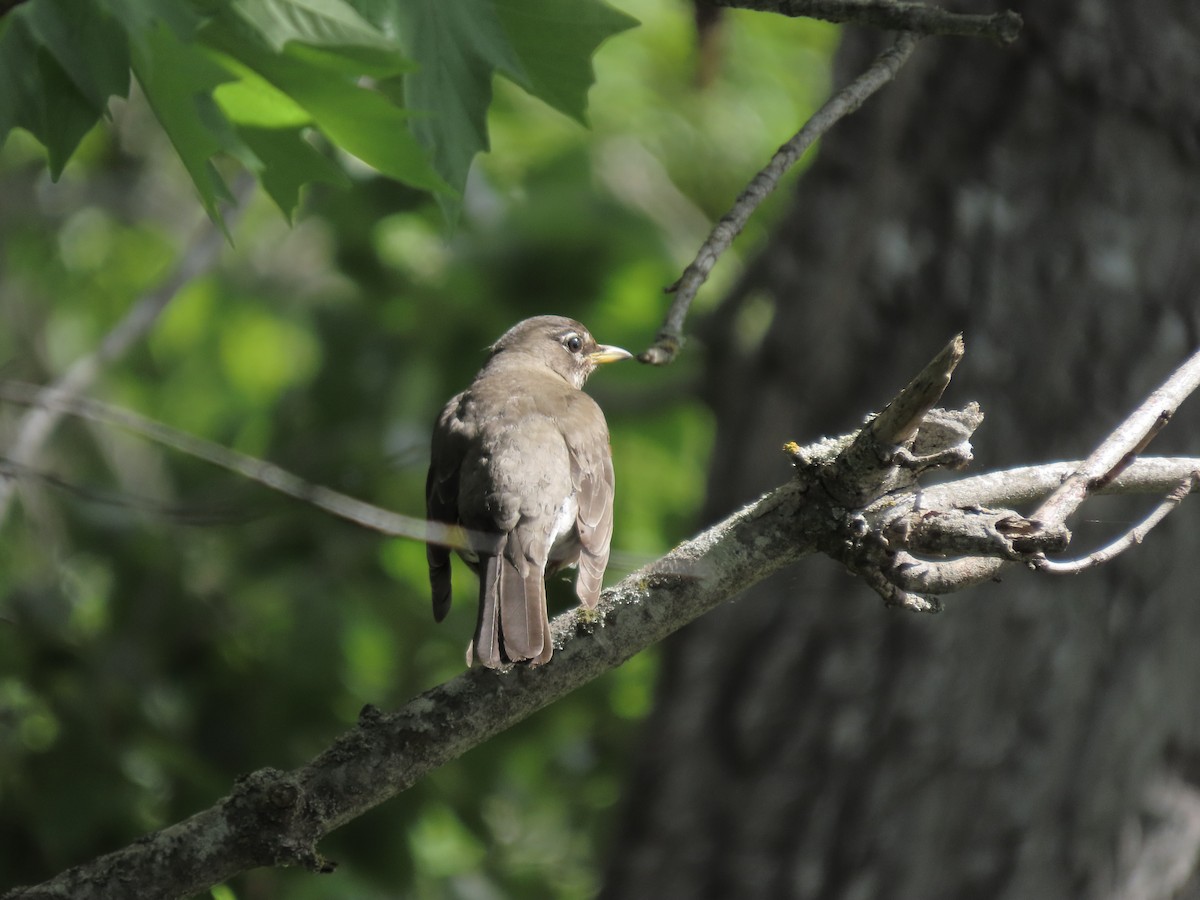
(244, 78)
(164, 627)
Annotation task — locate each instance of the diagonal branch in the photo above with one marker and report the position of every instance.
(1002, 27)
(1131, 538)
(1124, 444)
(275, 818)
(269, 475)
(669, 339)
(39, 422)
(913, 21)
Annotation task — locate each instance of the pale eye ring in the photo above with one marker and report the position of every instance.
(573, 343)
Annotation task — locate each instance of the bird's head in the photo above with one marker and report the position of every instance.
(560, 344)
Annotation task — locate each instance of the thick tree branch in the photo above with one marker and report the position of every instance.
(275, 818)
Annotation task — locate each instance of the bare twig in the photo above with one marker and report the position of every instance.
(1132, 537)
(1029, 484)
(259, 471)
(1002, 27)
(670, 337)
(185, 515)
(1116, 451)
(37, 424)
(1103, 468)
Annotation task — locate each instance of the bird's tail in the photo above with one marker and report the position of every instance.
(513, 621)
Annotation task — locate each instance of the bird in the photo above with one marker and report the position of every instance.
(522, 457)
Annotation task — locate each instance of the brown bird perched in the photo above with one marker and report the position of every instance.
(523, 454)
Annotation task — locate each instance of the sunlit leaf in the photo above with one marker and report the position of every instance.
(543, 45)
(254, 101)
(179, 80)
(358, 119)
(318, 22)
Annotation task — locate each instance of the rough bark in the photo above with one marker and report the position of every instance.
(1039, 738)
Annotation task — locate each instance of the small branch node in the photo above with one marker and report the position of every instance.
(1129, 539)
(895, 596)
(665, 348)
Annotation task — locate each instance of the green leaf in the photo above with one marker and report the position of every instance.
(288, 163)
(358, 119)
(457, 46)
(140, 17)
(545, 46)
(555, 41)
(38, 95)
(321, 23)
(179, 80)
(252, 100)
(86, 42)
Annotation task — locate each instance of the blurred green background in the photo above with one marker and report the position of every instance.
(172, 626)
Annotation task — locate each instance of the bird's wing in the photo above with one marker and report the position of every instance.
(450, 436)
(593, 480)
(508, 481)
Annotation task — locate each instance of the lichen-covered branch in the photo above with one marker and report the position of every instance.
(276, 818)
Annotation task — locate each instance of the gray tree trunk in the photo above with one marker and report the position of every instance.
(1038, 739)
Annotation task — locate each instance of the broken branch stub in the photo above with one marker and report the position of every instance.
(877, 519)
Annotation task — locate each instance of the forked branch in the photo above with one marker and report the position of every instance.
(276, 818)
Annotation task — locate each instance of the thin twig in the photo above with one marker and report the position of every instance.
(201, 254)
(257, 470)
(1106, 462)
(1104, 467)
(1131, 538)
(1029, 484)
(184, 515)
(1002, 27)
(670, 337)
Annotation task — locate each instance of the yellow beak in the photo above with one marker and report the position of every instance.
(607, 354)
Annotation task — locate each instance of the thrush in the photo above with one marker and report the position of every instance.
(522, 455)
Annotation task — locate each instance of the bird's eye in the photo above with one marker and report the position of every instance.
(573, 343)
